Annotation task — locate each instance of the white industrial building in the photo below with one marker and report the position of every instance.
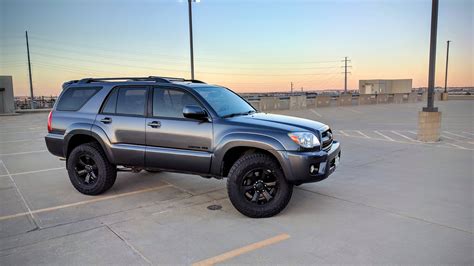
(374, 86)
(7, 100)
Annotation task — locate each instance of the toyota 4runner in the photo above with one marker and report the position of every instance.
(104, 125)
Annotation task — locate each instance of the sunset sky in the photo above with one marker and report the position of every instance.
(248, 46)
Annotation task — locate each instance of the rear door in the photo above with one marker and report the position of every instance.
(122, 117)
(173, 141)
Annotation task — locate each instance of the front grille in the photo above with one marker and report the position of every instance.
(326, 140)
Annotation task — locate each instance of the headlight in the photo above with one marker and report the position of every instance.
(304, 139)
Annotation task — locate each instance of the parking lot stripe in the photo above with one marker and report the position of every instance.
(19, 153)
(446, 137)
(33, 172)
(354, 111)
(316, 113)
(362, 134)
(19, 140)
(380, 134)
(95, 199)
(21, 196)
(237, 252)
(457, 135)
(460, 147)
(343, 133)
(403, 136)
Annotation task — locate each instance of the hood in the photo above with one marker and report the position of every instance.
(288, 123)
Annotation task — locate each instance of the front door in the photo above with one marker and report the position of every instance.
(123, 120)
(173, 141)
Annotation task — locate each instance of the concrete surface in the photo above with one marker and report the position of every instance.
(393, 200)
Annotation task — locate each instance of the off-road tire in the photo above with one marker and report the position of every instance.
(235, 178)
(107, 172)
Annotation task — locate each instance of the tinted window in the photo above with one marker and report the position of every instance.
(109, 107)
(131, 101)
(170, 103)
(74, 98)
(224, 101)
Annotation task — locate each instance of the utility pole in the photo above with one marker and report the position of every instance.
(345, 73)
(29, 70)
(446, 75)
(291, 88)
(431, 75)
(191, 37)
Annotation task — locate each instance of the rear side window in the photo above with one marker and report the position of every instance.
(111, 103)
(74, 98)
(131, 101)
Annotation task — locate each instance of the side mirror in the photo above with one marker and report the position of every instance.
(194, 112)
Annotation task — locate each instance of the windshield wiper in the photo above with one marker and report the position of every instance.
(237, 114)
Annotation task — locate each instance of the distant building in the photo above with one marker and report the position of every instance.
(374, 86)
(7, 101)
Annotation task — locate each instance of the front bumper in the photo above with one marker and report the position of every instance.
(306, 167)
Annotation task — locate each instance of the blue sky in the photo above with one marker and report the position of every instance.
(246, 45)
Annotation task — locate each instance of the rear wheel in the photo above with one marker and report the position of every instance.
(89, 170)
(257, 186)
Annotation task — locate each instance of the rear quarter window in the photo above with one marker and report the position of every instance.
(74, 98)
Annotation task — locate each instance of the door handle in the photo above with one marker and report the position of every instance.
(154, 124)
(106, 120)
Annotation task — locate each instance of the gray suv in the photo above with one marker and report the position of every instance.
(157, 124)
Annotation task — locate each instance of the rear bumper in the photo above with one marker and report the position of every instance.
(55, 144)
(307, 167)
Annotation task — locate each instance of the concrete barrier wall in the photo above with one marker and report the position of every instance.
(398, 98)
(367, 99)
(413, 97)
(323, 101)
(344, 100)
(460, 97)
(382, 98)
(298, 102)
(310, 102)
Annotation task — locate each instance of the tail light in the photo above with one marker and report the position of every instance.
(50, 122)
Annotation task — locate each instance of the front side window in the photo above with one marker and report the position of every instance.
(170, 102)
(131, 101)
(224, 102)
(74, 98)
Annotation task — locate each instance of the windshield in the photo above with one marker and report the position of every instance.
(225, 102)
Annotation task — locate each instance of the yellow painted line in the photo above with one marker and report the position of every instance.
(96, 199)
(237, 252)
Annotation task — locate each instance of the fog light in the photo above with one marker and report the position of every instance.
(313, 169)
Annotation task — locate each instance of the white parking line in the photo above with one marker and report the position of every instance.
(403, 136)
(343, 133)
(457, 135)
(30, 213)
(95, 199)
(23, 132)
(362, 134)
(19, 140)
(354, 111)
(34, 172)
(316, 113)
(446, 137)
(20, 153)
(457, 146)
(380, 134)
(468, 133)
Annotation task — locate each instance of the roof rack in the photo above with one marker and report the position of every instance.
(150, 78)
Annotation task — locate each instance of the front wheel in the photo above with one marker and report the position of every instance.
(257, 186)
(89, 170)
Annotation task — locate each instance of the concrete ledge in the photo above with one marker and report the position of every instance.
(460, 97)
(429, 126)
(28, 111)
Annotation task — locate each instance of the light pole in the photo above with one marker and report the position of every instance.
(431, 75)
(191, 35)
(446, 74)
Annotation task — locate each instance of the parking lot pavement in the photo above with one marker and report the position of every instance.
(392, 200)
